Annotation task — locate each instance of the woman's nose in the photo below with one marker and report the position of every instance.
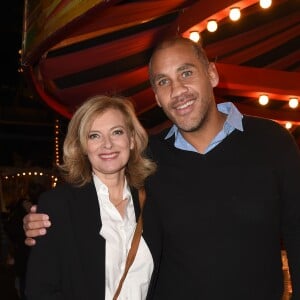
(107, 144)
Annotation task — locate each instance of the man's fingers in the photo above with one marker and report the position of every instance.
(33, 208)
(32, 217)
(36, 225)
(35, 221)
(34, 233)
(29, 242)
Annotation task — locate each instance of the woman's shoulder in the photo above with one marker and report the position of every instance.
(60, 195)
(60, 188)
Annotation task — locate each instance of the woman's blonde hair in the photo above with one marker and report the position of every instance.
(76, 168)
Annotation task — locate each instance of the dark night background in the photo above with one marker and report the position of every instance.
(26, 123)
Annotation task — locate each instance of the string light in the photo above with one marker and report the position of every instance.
(56, 142)
(195, 36)
(263, 99)
(212, 25)
(293, 102)
(235, 13)
(27, 174)
(288, 125)
(265, 3)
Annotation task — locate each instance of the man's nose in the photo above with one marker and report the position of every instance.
(178, 88)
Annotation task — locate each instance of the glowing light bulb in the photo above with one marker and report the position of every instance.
(195, 36)
(235, 13)
(263, 99)
(212, 25)
(293, 102)
(288, 125)
(265, 3)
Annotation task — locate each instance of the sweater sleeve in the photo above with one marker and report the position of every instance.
(43, 280)
(290, 180)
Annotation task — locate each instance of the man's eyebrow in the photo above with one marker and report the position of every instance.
(185, 66)
(158, 76)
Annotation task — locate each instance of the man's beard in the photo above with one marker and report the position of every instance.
(194, 124)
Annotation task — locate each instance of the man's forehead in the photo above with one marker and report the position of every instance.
(174, 51)
(174, 56)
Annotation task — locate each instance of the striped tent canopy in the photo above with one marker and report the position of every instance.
(75, 49)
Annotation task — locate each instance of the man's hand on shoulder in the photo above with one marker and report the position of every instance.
(35, 225)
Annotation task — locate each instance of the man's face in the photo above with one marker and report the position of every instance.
(183, 85)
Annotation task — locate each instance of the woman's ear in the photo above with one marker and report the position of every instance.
(213, 74)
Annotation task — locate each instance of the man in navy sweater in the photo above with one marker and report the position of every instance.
(225, 197)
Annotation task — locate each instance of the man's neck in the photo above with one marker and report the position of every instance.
(202, 137)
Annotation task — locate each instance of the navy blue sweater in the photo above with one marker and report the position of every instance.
(215, 222)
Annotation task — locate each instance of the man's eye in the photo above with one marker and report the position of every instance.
(187, 73)
(162, 82)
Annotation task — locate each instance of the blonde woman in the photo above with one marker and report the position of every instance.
(94, 213)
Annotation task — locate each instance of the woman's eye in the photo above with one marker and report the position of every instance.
(187, 73)
(93, 136)
(118, 132)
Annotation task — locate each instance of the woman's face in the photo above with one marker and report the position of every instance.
(109, 143)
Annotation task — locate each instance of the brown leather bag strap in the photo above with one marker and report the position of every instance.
(134, 243)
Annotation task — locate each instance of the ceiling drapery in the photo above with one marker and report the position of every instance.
(106, 49)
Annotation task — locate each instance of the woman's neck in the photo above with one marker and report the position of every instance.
(115, 185)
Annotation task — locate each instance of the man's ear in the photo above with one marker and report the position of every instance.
(213, 74)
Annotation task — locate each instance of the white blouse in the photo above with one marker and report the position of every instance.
(118, 233)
